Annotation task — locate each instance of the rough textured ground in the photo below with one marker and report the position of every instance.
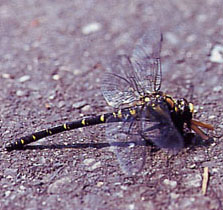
(52, 55)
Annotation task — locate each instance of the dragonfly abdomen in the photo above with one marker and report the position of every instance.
(117, 116)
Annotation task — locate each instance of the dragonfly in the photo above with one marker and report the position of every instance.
(142, 112)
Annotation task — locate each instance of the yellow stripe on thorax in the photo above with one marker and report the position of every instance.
(120, 113)
(132, 111)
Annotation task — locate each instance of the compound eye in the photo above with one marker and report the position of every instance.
(191, 107)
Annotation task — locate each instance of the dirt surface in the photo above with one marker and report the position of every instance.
(52, 55)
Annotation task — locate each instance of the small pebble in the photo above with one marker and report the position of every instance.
(192, 166)
(76, 71)
(52, 96)
(24, 78)
(211, 117)
(217, 88)
(170, 183)
(61, 104)
(99, 184)
(60, 186)
(79, 104)
(174, 195)
(92, 164)
(7, 193)
(88, 161)
(22, 188)
(123, 187)
(47, 105)
(217, 54)
(20, 93)
(131, 206)
(91, 28)
(86, 108)
(6, 76)
(199, 158)
(95, 166)
(56, 77)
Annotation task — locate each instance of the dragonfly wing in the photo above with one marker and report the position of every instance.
(119, 85)
(146, 60)
(127, 144)
(160, 129)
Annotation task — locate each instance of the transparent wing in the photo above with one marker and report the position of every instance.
(120, 84)
(127, 144)
(146, 60)
(159, 128)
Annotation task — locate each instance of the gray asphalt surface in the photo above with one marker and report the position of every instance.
(52, 56)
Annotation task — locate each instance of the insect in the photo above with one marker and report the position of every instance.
(142, 112)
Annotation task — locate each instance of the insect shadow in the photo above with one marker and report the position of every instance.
(190, 139)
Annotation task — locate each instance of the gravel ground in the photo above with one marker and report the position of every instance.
(52, 56)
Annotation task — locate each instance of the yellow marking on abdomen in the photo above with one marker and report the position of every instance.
(49, 131)
(65, 126)
(83, 122)
(34, 137)
(22, 141)
(102, 118)
(114, 115)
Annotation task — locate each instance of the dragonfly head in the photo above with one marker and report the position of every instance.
(181, 109)
(186, 110)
